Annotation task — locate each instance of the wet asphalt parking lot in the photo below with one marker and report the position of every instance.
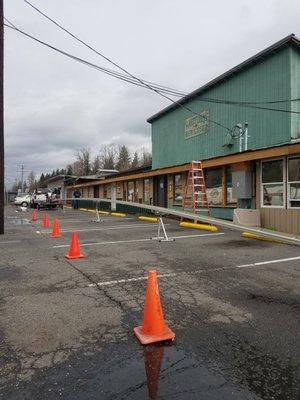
(66, 327)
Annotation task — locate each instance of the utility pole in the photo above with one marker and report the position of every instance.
(22, 178)
(1, 122)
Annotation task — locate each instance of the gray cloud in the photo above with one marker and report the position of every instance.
(54, 106)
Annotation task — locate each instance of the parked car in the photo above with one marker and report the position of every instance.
(23, 199)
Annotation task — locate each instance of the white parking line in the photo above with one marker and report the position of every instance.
(268, 262)
(104, 217)
(141, 240)
(141, 278)
(107, 228)
(144, 278)
(11, 241)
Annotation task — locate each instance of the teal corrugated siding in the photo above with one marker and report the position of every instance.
(265, 81)
(295, 91)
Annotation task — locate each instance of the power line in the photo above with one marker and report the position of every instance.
(160, 88)
(127, 72)
(132, 76)
(95, 66)
(127, 79)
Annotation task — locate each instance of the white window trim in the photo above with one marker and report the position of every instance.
(288, 185)
(283, 183)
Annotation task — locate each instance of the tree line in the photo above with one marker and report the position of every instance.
(110, 156)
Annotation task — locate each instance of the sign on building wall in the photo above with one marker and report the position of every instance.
(197, 125)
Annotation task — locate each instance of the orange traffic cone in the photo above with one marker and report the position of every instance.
(46, 223)
(74, 250)
(56, 231)
(153, 328)
(34, 216)
(153, 359)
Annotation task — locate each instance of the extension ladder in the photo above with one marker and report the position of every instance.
(195, 196)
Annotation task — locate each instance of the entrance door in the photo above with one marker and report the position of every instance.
(96, 191)
(161, 191)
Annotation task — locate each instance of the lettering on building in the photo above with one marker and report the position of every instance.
(197, 125)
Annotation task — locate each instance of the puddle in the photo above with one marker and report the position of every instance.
(157, 372)
(19, 221)
(164, 372)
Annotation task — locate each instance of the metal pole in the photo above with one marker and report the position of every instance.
(22, 178)
(241, 143)
(246, 136)
(1, 123)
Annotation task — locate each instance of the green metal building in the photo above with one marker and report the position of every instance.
(271, 76)
(245, 124)
(245, 128)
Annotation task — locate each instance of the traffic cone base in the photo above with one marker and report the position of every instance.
(56, 231)
(54, 236)
(74, 257)
(148, 339)
(74, 250)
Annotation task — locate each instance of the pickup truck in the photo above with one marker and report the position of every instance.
(44, 198)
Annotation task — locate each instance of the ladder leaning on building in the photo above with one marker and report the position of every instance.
(195, 194)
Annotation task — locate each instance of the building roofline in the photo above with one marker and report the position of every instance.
(290, 39)
(284, 149)
(55, 177)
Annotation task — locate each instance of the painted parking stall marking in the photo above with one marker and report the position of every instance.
(170, 275)
(107, 228)
(141, 240)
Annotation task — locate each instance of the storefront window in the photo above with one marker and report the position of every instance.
(147, 191)
(272, 183)
(108, 191)
(130, 191)
(178, 189)
(214, 186)
(230, 198)
(294, 182)
(119, 191)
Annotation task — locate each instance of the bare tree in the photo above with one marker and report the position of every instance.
(107, 156)
(16, 185)
(83, 158)
(96, 165)
(31, 181)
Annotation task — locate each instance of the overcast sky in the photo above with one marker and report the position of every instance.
(54, 105)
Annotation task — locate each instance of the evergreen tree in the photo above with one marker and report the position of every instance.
(135, 160)
(123, 159)
(69, 170)
(146, 158)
